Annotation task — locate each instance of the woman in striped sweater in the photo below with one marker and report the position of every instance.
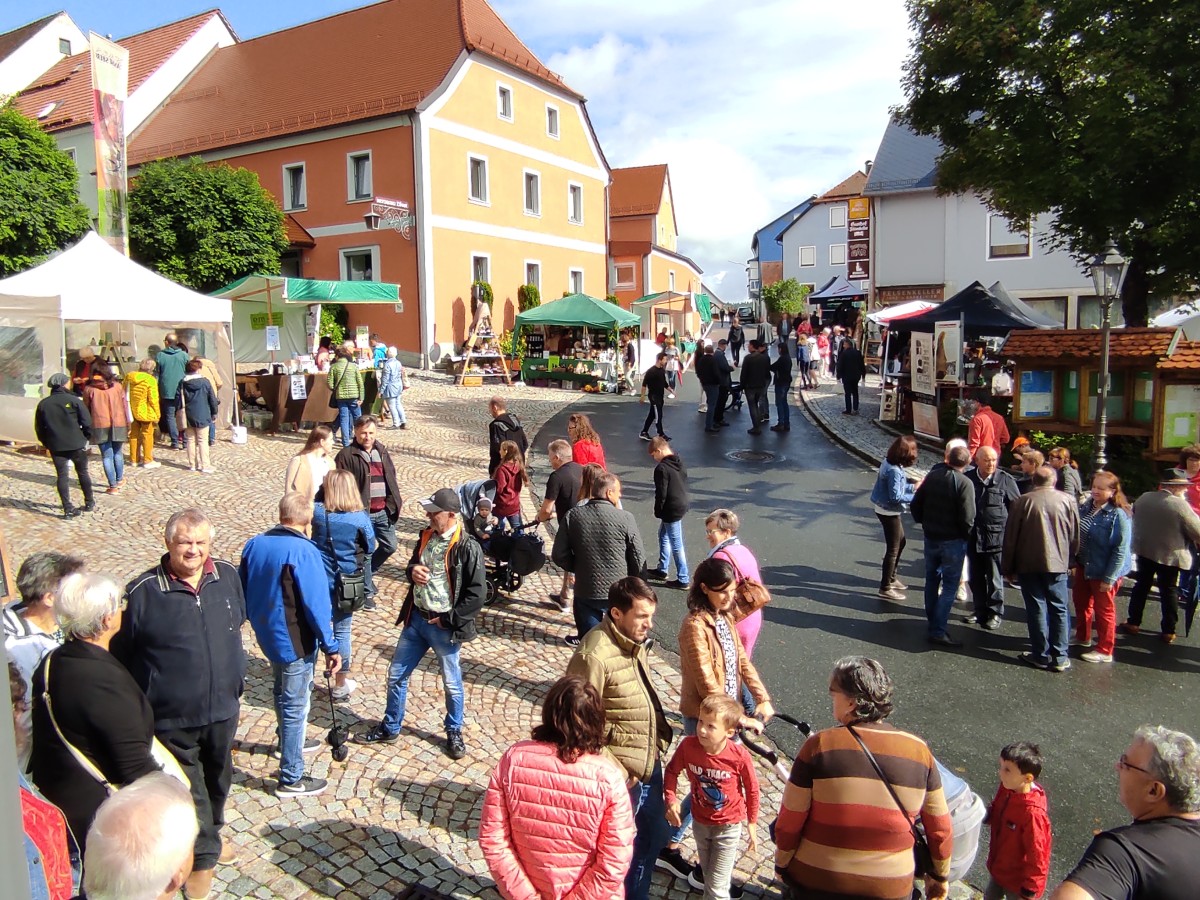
(839, 833)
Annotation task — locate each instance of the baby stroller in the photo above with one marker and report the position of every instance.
(734, 400)
(508, 556)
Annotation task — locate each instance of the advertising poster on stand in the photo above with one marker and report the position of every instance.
(921, 363)
(948, 352)
(110, 90)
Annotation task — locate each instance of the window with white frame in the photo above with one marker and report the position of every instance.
(295, 190)
(575, 204)
(477, 174)
(533, 273)
(70, 151)
(358, 175)
(533, 193)
(1007, 240)
(576, 280)
(837, 254)
(625, 276)
(808, 257)
(504, 102)
(481, 267)
(360, 263)
(837, 217)
(552, 120)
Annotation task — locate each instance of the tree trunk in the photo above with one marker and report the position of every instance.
(1135, 294)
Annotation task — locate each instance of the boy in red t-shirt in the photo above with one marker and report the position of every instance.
(1019, 856)
(724, 791)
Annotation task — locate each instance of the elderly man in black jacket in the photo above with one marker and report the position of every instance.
(601, 544)
(995, 491)
(372, 467)
(181, 639)
(446, 592)
(63, 426)
(944, 505)
(756, 378)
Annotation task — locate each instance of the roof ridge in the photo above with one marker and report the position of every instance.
(198, 15)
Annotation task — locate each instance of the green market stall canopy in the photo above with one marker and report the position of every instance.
(578, 311)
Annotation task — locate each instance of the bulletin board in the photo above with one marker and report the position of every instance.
(1181, 416)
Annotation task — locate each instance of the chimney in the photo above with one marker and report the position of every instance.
(867, 166)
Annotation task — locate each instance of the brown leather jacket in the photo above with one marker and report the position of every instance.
(703, 663)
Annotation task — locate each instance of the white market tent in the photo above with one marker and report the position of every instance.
(93, 295)
(1186, 317)
(900, 311)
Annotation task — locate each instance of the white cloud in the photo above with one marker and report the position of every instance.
(754, 107)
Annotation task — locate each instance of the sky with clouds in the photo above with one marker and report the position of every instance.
(753, 105)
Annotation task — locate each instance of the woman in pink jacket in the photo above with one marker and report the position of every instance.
(557, 822)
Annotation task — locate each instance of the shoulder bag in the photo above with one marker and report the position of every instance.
(751, 595)
(333, 397)
(165, 758)
(349, 590)
(922, 856)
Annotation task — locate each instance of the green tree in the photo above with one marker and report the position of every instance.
(204, 226)
(40, 210)
(528, 297)
(334, 321)
(1079, 109)
(785, 297)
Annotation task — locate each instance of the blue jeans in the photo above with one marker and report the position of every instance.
(417, 637)
(943, 571)
(587, 614)
(670, 545)
(396, 408)
(169, 423)
(114, 462)
(385, 546)
(212, 432)
(650, 820)
(293, 683)
(1047, 614)
(685, 808)
(711, 393)
(348, 411)
(783, 412)
(341, 634)
(509, 523)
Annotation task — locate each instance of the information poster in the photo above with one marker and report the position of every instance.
(1181, 415)
(1037, 395)
(362, 337)
(299, 390)
(925, 420)
(272, 337)
(947, 352)
(921, 363)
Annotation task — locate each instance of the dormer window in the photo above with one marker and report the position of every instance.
(50, 107)
(64, 46)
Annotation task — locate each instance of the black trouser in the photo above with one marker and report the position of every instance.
(62, 463)
(736, 349)
(757, 399)
(893, 535)
(206, 755)
(851, 391)
(654, 417)
(722, 400)
(1168, 593)
(987, 587)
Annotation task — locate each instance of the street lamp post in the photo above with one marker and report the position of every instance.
(1108, 273)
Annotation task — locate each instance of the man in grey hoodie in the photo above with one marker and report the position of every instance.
(170, 364)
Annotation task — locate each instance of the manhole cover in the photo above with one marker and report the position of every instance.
(756, 456)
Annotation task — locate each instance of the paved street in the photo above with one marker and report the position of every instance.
(806, 516)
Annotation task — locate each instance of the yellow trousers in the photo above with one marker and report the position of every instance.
(141, 442)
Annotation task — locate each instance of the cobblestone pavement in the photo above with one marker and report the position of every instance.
(393, 816)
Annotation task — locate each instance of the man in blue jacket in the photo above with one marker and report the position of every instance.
(288, 604)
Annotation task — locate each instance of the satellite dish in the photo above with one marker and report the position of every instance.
(435, 353)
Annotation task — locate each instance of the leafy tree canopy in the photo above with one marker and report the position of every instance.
(204, 226)
(1079, 109)
(785, 297)
(40, 210)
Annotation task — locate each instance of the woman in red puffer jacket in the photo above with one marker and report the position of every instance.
(557, 821)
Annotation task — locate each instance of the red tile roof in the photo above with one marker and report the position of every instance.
(373, 61)
(297, 234)
(851, 187)
(11, 40)
(1149, 344)
(69, 81)
(1186, 356)
(636, 191)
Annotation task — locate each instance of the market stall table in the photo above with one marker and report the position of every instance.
(276, 392)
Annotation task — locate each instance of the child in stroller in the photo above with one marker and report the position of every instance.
(508, 555)
(735, 397)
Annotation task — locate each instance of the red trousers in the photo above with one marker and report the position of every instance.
(1093, 600)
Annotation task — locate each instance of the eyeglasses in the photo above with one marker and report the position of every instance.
(712, 530)
(1124, 763)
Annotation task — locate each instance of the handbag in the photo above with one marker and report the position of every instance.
(165, 758)
(349, 589)
(750, 596)
(922, 856)
(333, 402)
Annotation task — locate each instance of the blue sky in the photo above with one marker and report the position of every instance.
(753, 105)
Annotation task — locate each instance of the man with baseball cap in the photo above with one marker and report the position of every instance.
(446, 592)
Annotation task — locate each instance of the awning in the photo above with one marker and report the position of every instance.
(837, 291)
(309, 290)
(579, 310)
(900, 311)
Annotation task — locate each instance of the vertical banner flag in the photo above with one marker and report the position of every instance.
(110, 90)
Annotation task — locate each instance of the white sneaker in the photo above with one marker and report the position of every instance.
(341, 694)
(209, 471)
(1094, 656)
(152, 465)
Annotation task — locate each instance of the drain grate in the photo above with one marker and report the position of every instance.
(756, 456)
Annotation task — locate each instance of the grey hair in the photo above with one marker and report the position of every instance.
(724, 519)
(866, 683)
(393, 352)
(295, 508)
(189, 518)
(42, 573)
(139, 840)
(1174, 761)
(84, 602)
(560, 450)
(1043, 476)
(970, 407)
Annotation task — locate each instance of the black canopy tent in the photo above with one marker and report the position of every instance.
(984, 311)
(835, 293)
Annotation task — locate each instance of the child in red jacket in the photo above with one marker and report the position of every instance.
(1019, 856)
(510, 478)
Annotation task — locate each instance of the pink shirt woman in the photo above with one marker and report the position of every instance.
(721, 529)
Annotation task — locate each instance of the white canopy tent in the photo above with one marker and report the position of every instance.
(1186, 317)
(93, 295)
